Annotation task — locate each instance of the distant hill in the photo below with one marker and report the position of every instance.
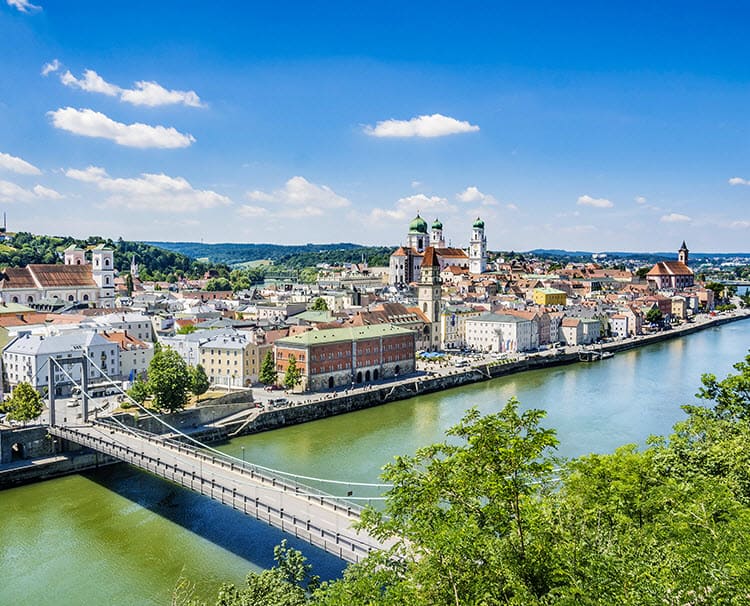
(650, 256)
(231, 253)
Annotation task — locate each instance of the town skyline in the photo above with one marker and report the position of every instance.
(567, 128)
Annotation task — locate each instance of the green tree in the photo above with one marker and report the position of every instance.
(654, 315)
(293, 376)
(460, 514)
(25, 403)
(199, 382)
(187, 329)
(139, 390)
(319, 304)
(268, 374)
(129, 284)
(718, 289)
(285, 584)
(218, 284)
(308, 275)
(168, 380)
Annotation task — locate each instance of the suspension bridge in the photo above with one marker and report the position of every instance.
(284, 500)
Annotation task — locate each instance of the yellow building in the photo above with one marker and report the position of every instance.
(549, 296)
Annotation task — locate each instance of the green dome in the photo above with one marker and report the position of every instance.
(418, 225)
(478, 224)
(437, 224)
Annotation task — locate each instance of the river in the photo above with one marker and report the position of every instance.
(119, 536)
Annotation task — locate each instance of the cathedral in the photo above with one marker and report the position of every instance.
(406, 261)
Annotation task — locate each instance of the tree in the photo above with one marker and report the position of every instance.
(25, 404)
(319, 304)
(218, 284)
(285, 584)
(654, 315)
(187, 329)
(718, 289)
(268, 373)
(199, 383)
(129, 284)
(168, 380)
(460, 513)
(293, 376)
(139, 390)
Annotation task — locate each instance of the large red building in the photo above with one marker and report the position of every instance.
(339, 357)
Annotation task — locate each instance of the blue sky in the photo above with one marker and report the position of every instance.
(598, 126)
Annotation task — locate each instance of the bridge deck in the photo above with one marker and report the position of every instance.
(306, 513)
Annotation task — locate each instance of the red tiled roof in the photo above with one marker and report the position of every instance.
(670, 268)
(17, 277)
(51, 276)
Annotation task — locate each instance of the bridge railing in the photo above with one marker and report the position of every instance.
(254, 472)
(345, 545)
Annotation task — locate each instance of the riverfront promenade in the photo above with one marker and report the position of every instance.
(439, 375)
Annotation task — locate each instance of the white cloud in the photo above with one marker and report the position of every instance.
(24, 6)
(45, 192)
(675, 218)
(406, 208)
(511, 206)
(595, 202)
(91, 82)
(11, 192)
(305, 197)
(435, 125)
(50, 67)
(151, 94)
(152, 192)
(739, 224)
(252, 212)
(472, 194)
(88, 123)
(738, 181)
(416, 184)
(640, 200)
(17, 165)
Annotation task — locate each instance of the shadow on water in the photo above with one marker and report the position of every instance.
(231, 530)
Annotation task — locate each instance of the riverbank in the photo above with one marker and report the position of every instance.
(302, 408)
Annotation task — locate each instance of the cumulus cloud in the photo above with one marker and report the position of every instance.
(91, 82)
(88, 123)
(50, 67)
(46, 193)
(151, 94)
(298, 198)
(640, 200)
(17, 165)
(595, 202)
(675, 218)
(11, 192)
(156, 192)
(738, 181)
(24, 6)
(435, 125)
(409, 206)
(252, 212)
(472, 194)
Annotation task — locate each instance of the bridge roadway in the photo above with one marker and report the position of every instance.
(306, 513)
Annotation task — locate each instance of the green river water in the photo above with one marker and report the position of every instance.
(120, 536)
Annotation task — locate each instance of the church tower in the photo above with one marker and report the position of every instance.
(478, 248)
(418, 238)
(429, 294)
(103, 272)
(682, 254)
(75, 255)
(436, 237)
